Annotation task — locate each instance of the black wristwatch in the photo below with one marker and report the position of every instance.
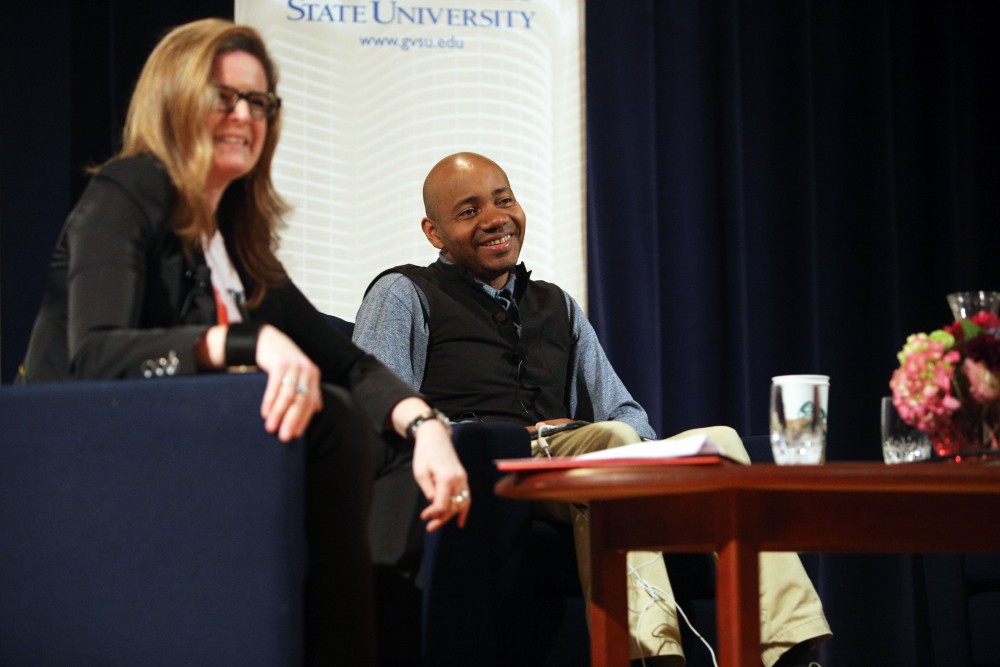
(433, 413)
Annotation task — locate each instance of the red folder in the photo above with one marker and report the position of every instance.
(569, 462)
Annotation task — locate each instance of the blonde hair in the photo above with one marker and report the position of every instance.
(166, 117)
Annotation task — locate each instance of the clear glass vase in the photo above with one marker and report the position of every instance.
(966, 304)
(969, 438)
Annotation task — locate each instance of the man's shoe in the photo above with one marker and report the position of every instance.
(659, 661)
(799, 655)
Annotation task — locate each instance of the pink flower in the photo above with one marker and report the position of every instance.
(922, 385)
(983, 385)
(948, 383)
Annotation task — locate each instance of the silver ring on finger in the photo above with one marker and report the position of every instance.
(460, 497)
(290, 381)
(301, 389)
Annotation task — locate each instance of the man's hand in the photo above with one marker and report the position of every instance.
(550, 422)
(436, 467)
(441, 476)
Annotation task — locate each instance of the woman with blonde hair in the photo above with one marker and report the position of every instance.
(167, 266)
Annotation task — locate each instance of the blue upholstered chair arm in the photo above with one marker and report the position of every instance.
(503, 589)
(148, 522)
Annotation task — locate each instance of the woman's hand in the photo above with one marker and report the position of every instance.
(292, 395)
(436, 467)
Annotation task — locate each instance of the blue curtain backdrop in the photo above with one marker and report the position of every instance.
(780, 187)
(69, 68)
(785, 187)
(774, 187)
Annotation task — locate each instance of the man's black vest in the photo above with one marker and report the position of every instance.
(477, 365)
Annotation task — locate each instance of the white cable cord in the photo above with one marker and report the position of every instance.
(658, 595)
(542, 442)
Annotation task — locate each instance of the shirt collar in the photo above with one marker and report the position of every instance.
(489, 289)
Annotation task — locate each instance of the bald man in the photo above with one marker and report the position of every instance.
(482, 340)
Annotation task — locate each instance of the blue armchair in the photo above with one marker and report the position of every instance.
(148, 522)
(963, 592)
(153, 522)
(501, 591)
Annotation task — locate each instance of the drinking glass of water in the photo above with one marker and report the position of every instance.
(901, 443)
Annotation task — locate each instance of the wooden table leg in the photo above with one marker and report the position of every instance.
(608, 600)
(738, 605)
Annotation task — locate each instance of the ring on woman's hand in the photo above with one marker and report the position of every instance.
(290, 381)
(461, 497)
(301, 389)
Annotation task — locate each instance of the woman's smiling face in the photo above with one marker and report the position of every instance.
(237, 136)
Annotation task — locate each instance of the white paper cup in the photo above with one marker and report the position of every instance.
(798, 418)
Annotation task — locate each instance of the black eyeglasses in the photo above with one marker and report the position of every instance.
(262, 105)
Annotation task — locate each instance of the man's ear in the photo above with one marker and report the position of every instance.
(431, 232)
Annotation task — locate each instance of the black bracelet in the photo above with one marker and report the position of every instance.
(241, 344)
(433, 413)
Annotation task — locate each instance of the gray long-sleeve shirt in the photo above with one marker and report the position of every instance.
(392, 325)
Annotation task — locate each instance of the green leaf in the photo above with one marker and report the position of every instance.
(970, 330)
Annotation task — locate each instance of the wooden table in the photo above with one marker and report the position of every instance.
(739, 511)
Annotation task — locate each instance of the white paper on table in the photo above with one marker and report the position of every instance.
(676, 447)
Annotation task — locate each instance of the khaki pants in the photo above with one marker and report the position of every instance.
(790, 609)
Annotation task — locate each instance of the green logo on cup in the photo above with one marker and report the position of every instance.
(807, 410)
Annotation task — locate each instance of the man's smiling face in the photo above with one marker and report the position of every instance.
(473, 217)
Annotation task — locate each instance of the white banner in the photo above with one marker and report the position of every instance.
(375, 92)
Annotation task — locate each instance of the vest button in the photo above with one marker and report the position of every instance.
(501, 317)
